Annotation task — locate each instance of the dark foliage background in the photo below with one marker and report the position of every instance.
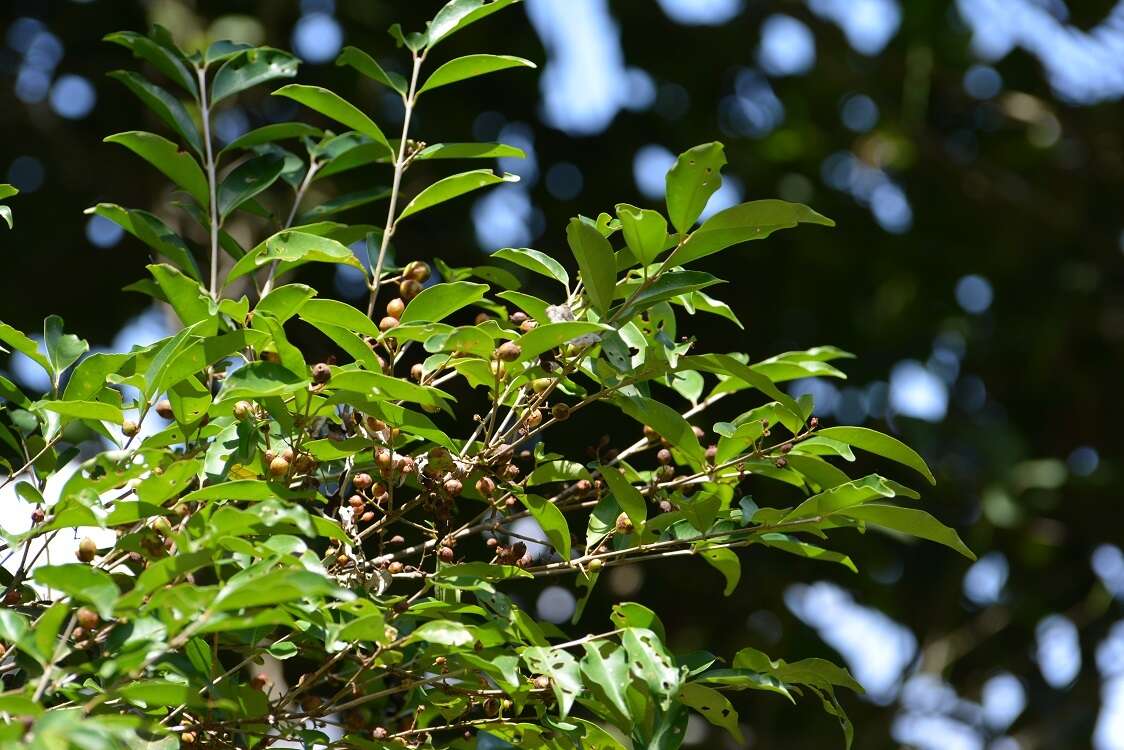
(975, 270)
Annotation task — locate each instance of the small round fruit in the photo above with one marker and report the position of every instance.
(664, 456)
(508, 351)
(87, 550)
(498, 369)
(356, 502)
(417, 372)
(596, 565)
(485, 486)
(279, 467)
(164, 409)
(38, 515)
(624, 524)
(380, 733)
(385, 459)
(542, 682)
(395, 307)
(518, 317)
(417, 270)
(287, 453)
(409, 288)
(260, 681)
(527, 326)
(539, 385)
(362, 481)
(561, 412)
(88, 618)
(534, 418)
(321, 373)
(395, 568)
(129, 428)
(453, 487)
(387, 323)
(445, 554)
(243, 410)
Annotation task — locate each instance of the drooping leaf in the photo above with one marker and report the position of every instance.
(278, 131)
(178, 166)
(247, 180)
(665, 421)
(845, 497)
(83, 583)
(627, 496)
(167, 107)
(335, 107)
(747, 221)
(163, 57)
(910, 521)
(605, 667)
(338, 313)
(62, 349)
(457, 14)
(714, 707)
(880, 444)
(562, 669)
(726, 562)
(695, 177)
(469, 151)
(535, 260)
(552, 521)
(365, 64)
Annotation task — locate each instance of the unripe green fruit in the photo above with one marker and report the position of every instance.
(243, 410)
(279, 467)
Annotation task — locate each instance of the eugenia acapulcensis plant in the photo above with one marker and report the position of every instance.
(348, 523)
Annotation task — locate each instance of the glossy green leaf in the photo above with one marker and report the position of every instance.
(652, 664)
(605, 667)
(457, 14)
(880, 444)
(695, 177)
(342, 203)
(755, 220)
(469, 151)
(453, 187)
(333, 106)
(178, 166)
(644, 230)
(95, 410)
(443, 632)
(726, 562)
(595, 262)
(712, 706)
(62, 349)
(82, 583)
(845, 496)
(665, 421)
(162, 57)
(439, 301)
(628, 497)
(284, 302)
(535, 260)
(340, 314)
(187, 297)
(552, 521)
(23, 344)
(554, 335)
(167, 107)
(909, 521)
(250, 68)
(260, 380)
(152, 231)
(471, 66)
(278, 131)
(365, 64)
(562, 669)
(276, 587)
(247, 180)
(794, 546)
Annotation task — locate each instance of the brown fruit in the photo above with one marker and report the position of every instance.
(395, 567)
(534, 418)
(417, 270)
(508, 351)
(485, 486)
(397, 540)
(650, 433)
(395, 307)
(164, 409)
(409, 288)
(453, 487)
(561, 412)
(527, 326)
(243, 410)
(321, 373)
(417, 372)
(698, 431)
(287, 453)
(583, 486)
(356, 502)
(664, 456)
(13, 597)
(542, 682)
(711, 453)
(88, 618)
(260, 681)
(445, 554)
(518, 317)
(278, 467)
(129, 428)
(38, 515)
(87, 549)
(380, 733)
(385, 459)
(387, 323)
(269, 456)
(362, 481)
(367, 517)
(624, 524)
(187, 738)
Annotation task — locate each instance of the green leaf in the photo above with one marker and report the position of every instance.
(222, 49)
(167, 107)
(458, 14)
(249, 68)
(296, 247)
(340, 314)
(562, 669)
(260, 380)
(665, 421)
(335, 107)
(726, 562)
(83, 583)
(270, 133)
(452, 187)
(645, 231)
(247, 180)
(553, 335)
(23, 344)
(794, 546)
(239, 489)
(149, 693)
(605, 667)
(713, 706)
(880, 444)
(535, 260)
(650, 663)
(187, 297)
(595, 262)
(165, 59)
(342, 203)
(469, 151)
(691, 181)
(176, 165)
(63, 349)
(6, 213)
(366, 65)
(755, 220)
(627, 496)
(471, 66)
(633, 615)
(285, 301)
(275, 587)
(844, 497)
(439, 301)
(910, 521)
(444, 633)
(152, 231)
(670, 284)
(95, 410)
(552, 521)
